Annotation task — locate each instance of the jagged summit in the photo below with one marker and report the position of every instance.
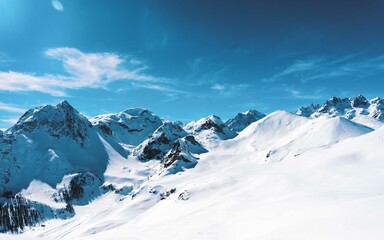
(210, 122)
(242, 120)
(307, 110)
(359, 101)
(350, 108)
(60, 120)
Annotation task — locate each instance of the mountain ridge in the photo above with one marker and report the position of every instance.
(346, 107)
(79, 162)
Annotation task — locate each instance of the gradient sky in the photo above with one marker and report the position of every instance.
(185, 59)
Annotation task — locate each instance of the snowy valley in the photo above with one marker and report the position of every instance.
(313, 174)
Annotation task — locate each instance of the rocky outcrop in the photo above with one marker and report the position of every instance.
(183, 155)
(160, 142)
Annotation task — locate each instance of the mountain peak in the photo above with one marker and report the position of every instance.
(65, 106)
(214, 119)
(210, 127)
(242, 120)
(210, 122)
(359, 101)
(59, 120)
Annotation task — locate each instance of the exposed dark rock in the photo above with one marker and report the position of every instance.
(82, 189)
(184, 196)
(359, 101)
(166, 194)
(107, 130)
(181, 157)
(160, 142)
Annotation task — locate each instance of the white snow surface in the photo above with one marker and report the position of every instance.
(322, 179)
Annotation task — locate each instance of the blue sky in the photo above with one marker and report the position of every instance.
(185, 59)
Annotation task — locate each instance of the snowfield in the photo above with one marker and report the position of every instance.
(283, 177)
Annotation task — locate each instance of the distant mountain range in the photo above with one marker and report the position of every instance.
(358, 109)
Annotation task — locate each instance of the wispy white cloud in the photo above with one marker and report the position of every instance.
(330, 68)
(229, 89)
(97, 69)
(11, 108)
(298, 94)
(157, 87)
(218, 87)
(24, 82)
(83, 70)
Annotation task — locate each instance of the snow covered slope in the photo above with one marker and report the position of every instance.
(282, 134)
(242, 120)
(327, 192)
(358, 109)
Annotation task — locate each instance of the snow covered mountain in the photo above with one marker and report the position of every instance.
(156, 146)
(282, 134)
(209, 129)
(47, 143)
(243, 120)
(283, 176)
(358, 109)
(130, 127)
